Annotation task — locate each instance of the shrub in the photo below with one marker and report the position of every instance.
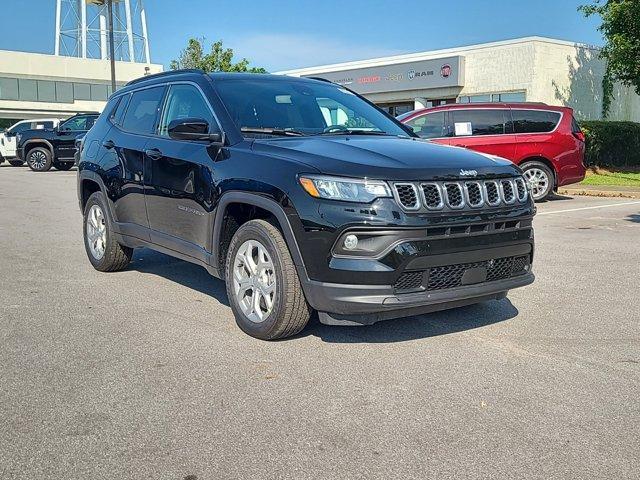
(612, 144)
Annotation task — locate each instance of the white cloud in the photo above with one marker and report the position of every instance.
(275, 51)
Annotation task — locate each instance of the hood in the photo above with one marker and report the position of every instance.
(386, 158)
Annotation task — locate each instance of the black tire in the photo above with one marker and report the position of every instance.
(63, 166)
(116, 257)
(16, 163)
(39, 159)
(535, 166)
(290, 312)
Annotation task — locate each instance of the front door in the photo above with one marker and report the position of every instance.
(64, 143)
(179, 176)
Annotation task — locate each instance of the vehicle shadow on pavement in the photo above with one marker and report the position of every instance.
(422, 326)
(185, 273)
(634, 217)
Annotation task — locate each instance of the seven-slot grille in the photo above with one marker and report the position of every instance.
(470, 194)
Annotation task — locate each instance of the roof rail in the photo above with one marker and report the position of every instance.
(320, 79)
(168, 73)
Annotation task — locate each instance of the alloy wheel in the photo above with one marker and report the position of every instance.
(254, 281)
(37, 160)
(538, 181)
(96, 232)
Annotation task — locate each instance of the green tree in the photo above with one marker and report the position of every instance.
(219, 59)
(621, 29)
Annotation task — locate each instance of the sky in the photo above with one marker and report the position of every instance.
(280, 35)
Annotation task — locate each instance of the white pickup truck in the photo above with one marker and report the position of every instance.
(8, 137)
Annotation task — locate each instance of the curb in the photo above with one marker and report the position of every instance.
(599, 193)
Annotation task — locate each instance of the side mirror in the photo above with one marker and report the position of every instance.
(195, 129)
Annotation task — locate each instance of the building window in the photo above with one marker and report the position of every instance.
(8, 89)
(46, 91)
(99, 93)
(64, 92)
(27, 90)
(506, 97)
(81, 91)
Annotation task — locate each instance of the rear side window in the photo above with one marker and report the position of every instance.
(429, 126)
(117, 116)
(534, 121)
(478, 122)
(143, 111)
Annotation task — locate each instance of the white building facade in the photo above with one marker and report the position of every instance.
(531, 69)
(36, 85)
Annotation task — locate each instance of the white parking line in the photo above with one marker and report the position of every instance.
(590, 208)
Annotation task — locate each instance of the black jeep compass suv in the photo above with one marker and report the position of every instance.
(302, 196)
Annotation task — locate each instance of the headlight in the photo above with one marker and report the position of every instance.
(345, 189)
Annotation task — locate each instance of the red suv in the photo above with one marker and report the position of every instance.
(546, 142)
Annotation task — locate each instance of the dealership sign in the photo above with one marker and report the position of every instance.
(425, 74)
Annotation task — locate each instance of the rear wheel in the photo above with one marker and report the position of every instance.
(39, 159)
(104, 252)
(64, 166)
(262, 283)
(16, 163)
(540, 178)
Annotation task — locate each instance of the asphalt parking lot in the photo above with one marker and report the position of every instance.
(144, 374)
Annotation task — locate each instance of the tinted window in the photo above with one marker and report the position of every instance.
(21, 127)
(534, 121)
(118, 114)
(478, 122)
(185, 101)
(81, 91)
(143, 110)
(429, 126)
(82, 122)
(64, 92)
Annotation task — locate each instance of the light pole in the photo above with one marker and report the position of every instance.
(112, 54)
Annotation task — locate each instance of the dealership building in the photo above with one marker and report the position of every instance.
(531, 69)
(34, 85)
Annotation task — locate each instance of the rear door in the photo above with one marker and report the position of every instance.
(485, 130)
(134, 123)
(178, 176)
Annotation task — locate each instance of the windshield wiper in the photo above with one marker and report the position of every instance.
(354, 132)
(272, 131)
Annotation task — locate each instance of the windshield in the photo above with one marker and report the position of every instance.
(268, 106)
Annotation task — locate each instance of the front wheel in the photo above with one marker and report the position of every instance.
(39, 159)
(540, 179)
(16, 163)
(263, 287)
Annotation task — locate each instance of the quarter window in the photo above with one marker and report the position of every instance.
(430, 125)
(534, 121)
(118, 114)
(478, 122)
(185, 101)
(143, 111)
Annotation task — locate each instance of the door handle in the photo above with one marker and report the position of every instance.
(153, 153)
(108, 144)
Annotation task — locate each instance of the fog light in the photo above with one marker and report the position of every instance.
(350, 242)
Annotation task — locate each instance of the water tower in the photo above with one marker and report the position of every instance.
(82, 29)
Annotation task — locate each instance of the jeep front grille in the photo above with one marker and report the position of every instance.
(470, 194)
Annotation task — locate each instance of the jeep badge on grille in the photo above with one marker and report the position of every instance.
(468, 173)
